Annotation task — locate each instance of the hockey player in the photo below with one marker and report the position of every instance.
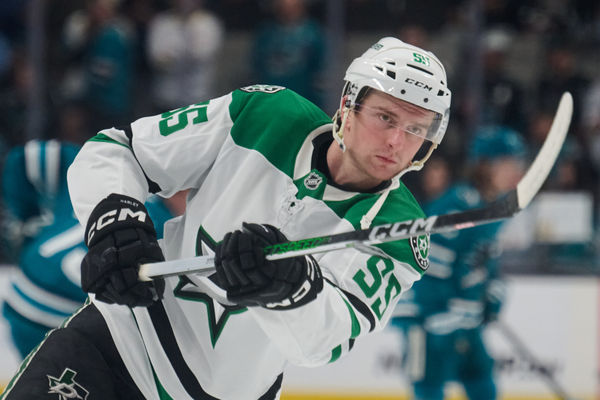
(442, 318)
(46, 240)
(262, 164)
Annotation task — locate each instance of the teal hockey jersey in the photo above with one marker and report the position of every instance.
(46, 239)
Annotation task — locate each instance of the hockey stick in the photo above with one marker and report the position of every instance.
(520, 347)
(507, 206)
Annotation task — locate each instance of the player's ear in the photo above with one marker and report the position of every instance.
(346, 108)
(344, 102)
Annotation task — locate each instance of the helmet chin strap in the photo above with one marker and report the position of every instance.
(367, 219)
(338, 133)
(417, 165)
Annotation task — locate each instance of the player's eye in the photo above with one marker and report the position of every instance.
(415, 130)
(387, 119)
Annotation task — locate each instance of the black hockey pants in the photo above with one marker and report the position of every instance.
(78, 361)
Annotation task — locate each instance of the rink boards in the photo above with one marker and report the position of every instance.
(556, 318)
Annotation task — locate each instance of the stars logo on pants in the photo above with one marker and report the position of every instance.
(66, 387)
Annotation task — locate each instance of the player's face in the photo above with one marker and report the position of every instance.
(505, 174)
(381, 137)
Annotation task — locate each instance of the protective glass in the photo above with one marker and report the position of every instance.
(424, 124)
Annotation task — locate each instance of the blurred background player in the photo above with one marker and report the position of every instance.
(46, 240)
(443, 317)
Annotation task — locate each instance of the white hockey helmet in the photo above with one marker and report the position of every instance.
(406, 72)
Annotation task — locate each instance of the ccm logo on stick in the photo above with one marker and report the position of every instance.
(402, 229)
(111, 216)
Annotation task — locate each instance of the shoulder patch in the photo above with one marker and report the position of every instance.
(420, 248)
(262, 88)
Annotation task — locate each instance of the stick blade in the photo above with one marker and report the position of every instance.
(545, 159)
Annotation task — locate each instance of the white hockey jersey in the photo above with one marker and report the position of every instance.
(245, 157)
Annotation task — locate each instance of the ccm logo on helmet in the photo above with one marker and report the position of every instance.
(418, 84)
(111, 216)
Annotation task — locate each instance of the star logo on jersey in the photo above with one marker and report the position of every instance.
(66, 387)
(420, 249)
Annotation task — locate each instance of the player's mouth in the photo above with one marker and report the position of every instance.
(386, 160)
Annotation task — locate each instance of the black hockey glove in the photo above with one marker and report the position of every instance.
(120, 235)
(252, 280)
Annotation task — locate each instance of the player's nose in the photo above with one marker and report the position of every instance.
(396, 137)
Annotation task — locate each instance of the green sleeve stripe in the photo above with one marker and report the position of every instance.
(162, 392)
(335, 354)
(355, 324)
(101, 137)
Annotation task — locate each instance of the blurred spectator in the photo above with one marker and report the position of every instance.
(388, 14)
(99, 44)
(140, 13)
(502, 100)
(486, 94)
(573, 169)
(414, 34)
(289, 50)
(183, 43)
(587, 21)
(13, 99)
(561, 75)
(72, 123)
(5, 56)
(595, 26)
(12, 20)
(590, 113)
(363, 15)
(239, 14)
(590, 120)
(545, 17)
(507, 14)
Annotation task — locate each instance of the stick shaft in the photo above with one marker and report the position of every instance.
(364, 239)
